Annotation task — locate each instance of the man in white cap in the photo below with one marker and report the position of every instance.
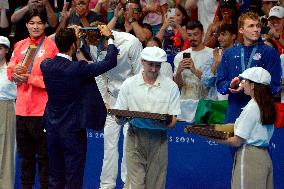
(266, 6)
(7, 120)
(276, 23)
(147, 148)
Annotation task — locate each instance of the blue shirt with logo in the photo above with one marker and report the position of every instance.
(230, 67)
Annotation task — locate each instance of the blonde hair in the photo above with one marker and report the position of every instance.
(246, 16)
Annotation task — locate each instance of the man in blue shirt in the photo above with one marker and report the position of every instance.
(253, 52)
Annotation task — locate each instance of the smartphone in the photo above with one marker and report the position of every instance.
(186, 55)
(171, 12)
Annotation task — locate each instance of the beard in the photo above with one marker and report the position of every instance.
(193, 43)
(151, 75)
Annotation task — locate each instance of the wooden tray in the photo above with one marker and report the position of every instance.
(211, 131)
(136, 114)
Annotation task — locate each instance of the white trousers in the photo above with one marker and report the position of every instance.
(110, 161)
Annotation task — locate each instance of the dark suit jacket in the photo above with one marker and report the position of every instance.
(74, 100)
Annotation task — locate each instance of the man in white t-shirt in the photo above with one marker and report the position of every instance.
(188, 71)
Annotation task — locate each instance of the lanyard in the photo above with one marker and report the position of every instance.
(87, 49)
(244, 67)
(100, 47)
(37, 49)
(99, 50)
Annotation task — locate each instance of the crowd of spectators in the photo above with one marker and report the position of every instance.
(145, 19)
(195, 35)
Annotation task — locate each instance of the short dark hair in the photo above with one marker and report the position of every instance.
(229, 28)
(191, 25)
(64, 39)
(35, 12)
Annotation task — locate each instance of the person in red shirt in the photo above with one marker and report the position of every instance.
(31, 99)
(276, 24)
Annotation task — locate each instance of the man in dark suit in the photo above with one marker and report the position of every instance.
(65, 80)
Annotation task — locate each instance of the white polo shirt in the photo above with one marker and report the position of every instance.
(249, 127)
(8, 88)
(162, 97)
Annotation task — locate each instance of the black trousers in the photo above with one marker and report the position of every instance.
(32, 148)
(67, 158)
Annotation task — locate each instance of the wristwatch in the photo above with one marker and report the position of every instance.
(131, 20)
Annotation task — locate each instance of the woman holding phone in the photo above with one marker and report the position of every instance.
(173, 33)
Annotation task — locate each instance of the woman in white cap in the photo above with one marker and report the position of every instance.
(253, 130)
(7, 120)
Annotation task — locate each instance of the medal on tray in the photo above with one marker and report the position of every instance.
(218, 131)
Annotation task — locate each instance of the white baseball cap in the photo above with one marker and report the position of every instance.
(257, 75)
(276, 11)
(154, 54)
(4, 41)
